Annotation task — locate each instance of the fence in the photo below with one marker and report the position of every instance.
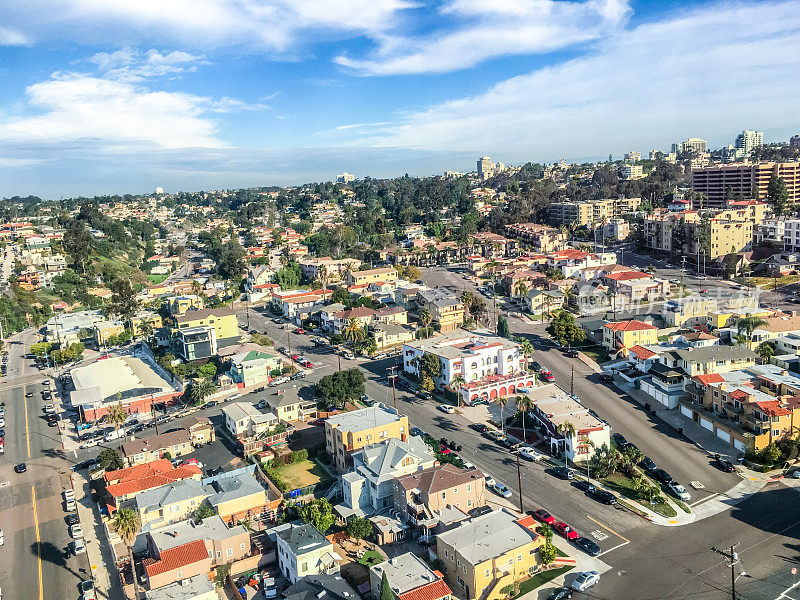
(315, 489)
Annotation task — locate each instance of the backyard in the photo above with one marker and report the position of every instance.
(297, 475)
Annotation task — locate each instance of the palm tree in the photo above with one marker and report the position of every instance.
(196, 289)
(425, 318)
(200, 390)
(353, 332)
(521, 288)
(126, 522)
(747, 325)
(765, 351)
(117, 415)
(526, 348)
(567, 430)
(524, 404)
(455, 384)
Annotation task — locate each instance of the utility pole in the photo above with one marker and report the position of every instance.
(391, 378)
(733, 561)
(572, 382)
(289, 343)
(519, 484)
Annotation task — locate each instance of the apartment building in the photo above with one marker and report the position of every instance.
(304, 551)
(224, 544)
(360, 315)
(491, 366)
(631, 171)
(333, 270)
(592, 211)
(744, 180)
(169, 503)
(198, 333)
(485, 554)
(446, 309)
(186, 561)
(620, 337)
(371, 276)
(289, 406)
(175, 443)
(409, 579)
(349, 432)
(711, 359)
(123, 485)
(543, 239)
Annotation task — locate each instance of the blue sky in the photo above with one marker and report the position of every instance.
(116, 96)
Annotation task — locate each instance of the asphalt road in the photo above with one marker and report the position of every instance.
(36, 538)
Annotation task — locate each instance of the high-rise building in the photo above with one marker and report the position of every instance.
(794, 142)
(487, 169)
(744, 181)
(692, 145)
(632, 171)
(345, 177)
(747, 141)
(633, 156)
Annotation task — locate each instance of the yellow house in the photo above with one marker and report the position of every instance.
(447, 311)
(289, 406)
(372, 276)
(236, 497)
(349, 432)
(624, 335)
(487, 553)
(223, 320)
(169, 503)
(388, 335)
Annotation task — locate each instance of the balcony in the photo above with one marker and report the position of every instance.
(733, 409)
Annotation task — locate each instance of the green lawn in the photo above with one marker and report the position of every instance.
(540, 579)
(298, 475)
(624, 485)
(597, 353)
(769, 282)
(156, 278)
(371, 557)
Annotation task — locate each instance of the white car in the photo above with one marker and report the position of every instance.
(79, 547)
(489, 480)
(69, 495)
(233, 397)
(76, 530)
(49, 408)
(680, 491)
(468, 465)
(530, 453)
(2, 542)
(87, 590)
(2, 422)
(446, 408)
(501, 490)
(585, 580)
(69, 505)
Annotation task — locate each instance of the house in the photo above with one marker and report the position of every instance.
(388, 335)
(446, 309)
(544, 301)
(200, 429)
(485, 554)
(592, 298)
(303, 551)
(124, 484)
(288, 406)
(553, 408)
(391, 315)
(420, 496)
(320, 587)
(178, 563)
(711, 359)
(238, 495)
(361, 315)
(664, 384)
(409, 578)
(169, 503)
(221, 321)
(349, 432)
(199, 587)
(371, 276)
(171, 444)
(620, 337)
(254, 430)
(368, 487)
(224, 544)
(253, 368)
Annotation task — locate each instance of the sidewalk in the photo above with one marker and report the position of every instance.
(97, 550)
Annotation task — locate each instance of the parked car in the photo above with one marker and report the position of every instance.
(298, 375)
(547, 376)
(193, 461)
(565, 530)
(563, 473)
(446, 408)
(415, 431)
(78, 547)
(87, 590)
(235, 396)
(277, 321)
(619, 439)
(489, 480)
(72, 519)
(76, 530)
(544, 516)
(585, 486)
(606, 377)
(268, 588)
(588, 546)
(480, 427)
(585, 580)
(530, 453)
(501, 490)
(69, 505)
(562, 593)
(661, 476)
(603, 496)
(495, 434)
(723, 465)
(679, 491)
(647, 463)
(571, 353)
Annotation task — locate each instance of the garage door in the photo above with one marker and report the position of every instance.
(686, 412)
(739, 445)
(706, 424)
(724, 435)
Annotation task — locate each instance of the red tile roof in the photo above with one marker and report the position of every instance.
(155, 466)
(147, 476)
(627, 275)
(772, 408)
(527, 521)
(430, 591)
(710, 378)
(630, 326)
(642, 352)
(177, 557)
(739, 394)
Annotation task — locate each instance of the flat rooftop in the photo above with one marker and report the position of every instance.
(405, 572)
(127, 376)
(364, 418)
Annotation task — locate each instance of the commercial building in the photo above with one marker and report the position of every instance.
(126, 380)
(446, 309)
(349, 432)
(368, 488)
(70, 328)
(747, 141)
(744, 181)
(487, 169)
(490, 366)
(691, 146)
(485, 554)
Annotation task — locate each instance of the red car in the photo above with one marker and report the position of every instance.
(547, 376)
(444, 449)
(563, 529)
(544, 516)
(300, 331)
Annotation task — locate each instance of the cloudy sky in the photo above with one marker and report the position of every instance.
(115, 96)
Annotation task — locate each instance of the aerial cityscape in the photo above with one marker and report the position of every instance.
(399, 301)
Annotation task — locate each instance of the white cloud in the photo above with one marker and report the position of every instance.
(9, 37)
(276, 25)
(709, 72)
(132, 65)
(473, 31)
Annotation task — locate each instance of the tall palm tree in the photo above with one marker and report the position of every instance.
(456, 383)
(201, 390)
(567, 430)
(353, 332)
(126, 522)
(117, 415)
(526, 348)
(747, 325)
(521, 288)
(425, 318)
(765, 351)
(524, 404)
(196, 289)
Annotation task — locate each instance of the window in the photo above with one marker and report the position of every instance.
(192, 502)
(469, 487)
(776, 432)
(242, 546)
(519, 557)
(444, 495)
(458, 562)
(219, 554)
(469, 502)
(384, 433)
(487, 574)
(445, 553)
(179, 574)
(511, 560)
(229, 552)
(464, 568)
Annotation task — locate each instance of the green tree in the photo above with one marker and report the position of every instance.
(425, 318)
(200, 391)
(567, 430)
(319, 513)
(503, 329)
(110, 460)
(359, 528)
(353, 332)
(547, 553)
(771, 454)
(116, 414)
(77, 243)
(524, 404)
(386, 590)
(747, 325)
(123, 299)
(207, 371)
(430, 366)
(778, 195)
(564, 329)
(426, 385)
(765, 351)
(231, 260)
(127, 523)
(204, 511)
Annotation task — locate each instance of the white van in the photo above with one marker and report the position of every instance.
(114, 435)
